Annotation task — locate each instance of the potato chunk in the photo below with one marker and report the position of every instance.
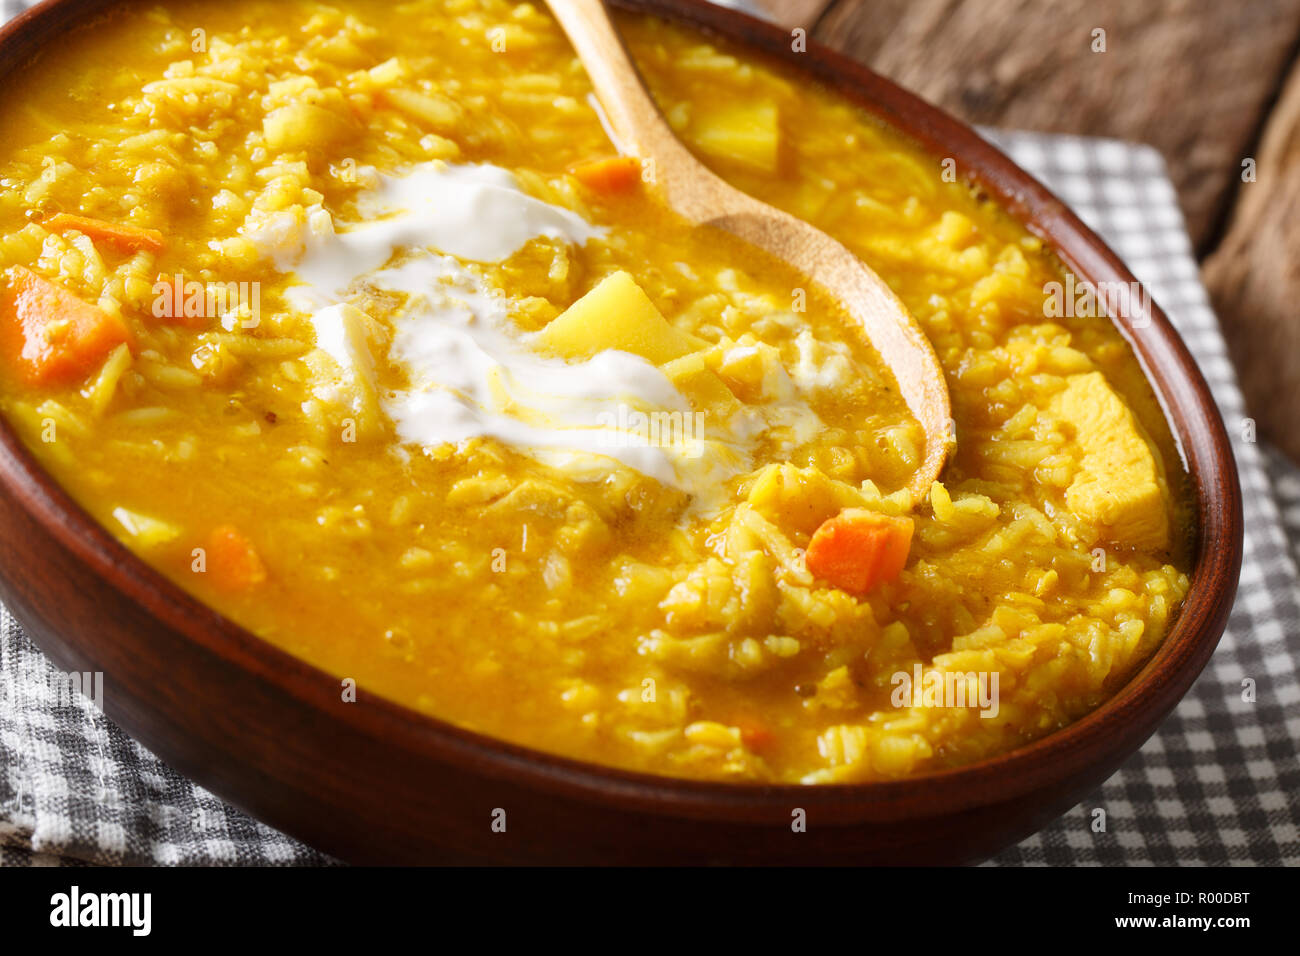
(1119, 486)
(692, 376)
(304, 126)
(748, 134)
(616, 314)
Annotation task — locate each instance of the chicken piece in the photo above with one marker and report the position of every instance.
(1119, 487)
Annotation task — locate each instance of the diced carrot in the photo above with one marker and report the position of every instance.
(857, 550)
(48, 335)
(124, 237)
(615, 175)
(232, 560)
(754, 735)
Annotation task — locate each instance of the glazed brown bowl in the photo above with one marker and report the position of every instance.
(372, 781)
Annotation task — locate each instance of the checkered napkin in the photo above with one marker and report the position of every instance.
(1219, 783)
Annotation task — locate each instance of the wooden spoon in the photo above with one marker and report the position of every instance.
(702, 197)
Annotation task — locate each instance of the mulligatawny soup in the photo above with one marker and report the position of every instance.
(350, 319)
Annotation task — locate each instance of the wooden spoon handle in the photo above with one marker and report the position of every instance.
(700, 195)
(688, 186)
(635, 118)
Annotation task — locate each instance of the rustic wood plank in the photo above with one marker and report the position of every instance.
(1192, 77)
(1254, 278)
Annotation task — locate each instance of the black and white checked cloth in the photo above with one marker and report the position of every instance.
(1218, 784)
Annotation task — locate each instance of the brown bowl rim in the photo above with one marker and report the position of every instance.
(1142, 702)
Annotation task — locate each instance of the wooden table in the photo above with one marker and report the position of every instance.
(1213, 84)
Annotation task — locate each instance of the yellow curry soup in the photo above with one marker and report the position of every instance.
(369, 341)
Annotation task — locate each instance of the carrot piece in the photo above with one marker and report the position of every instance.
(234, 563)
(49, 335)
(124, 237)
(857, 550)
(755, 735)
(615, 175)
